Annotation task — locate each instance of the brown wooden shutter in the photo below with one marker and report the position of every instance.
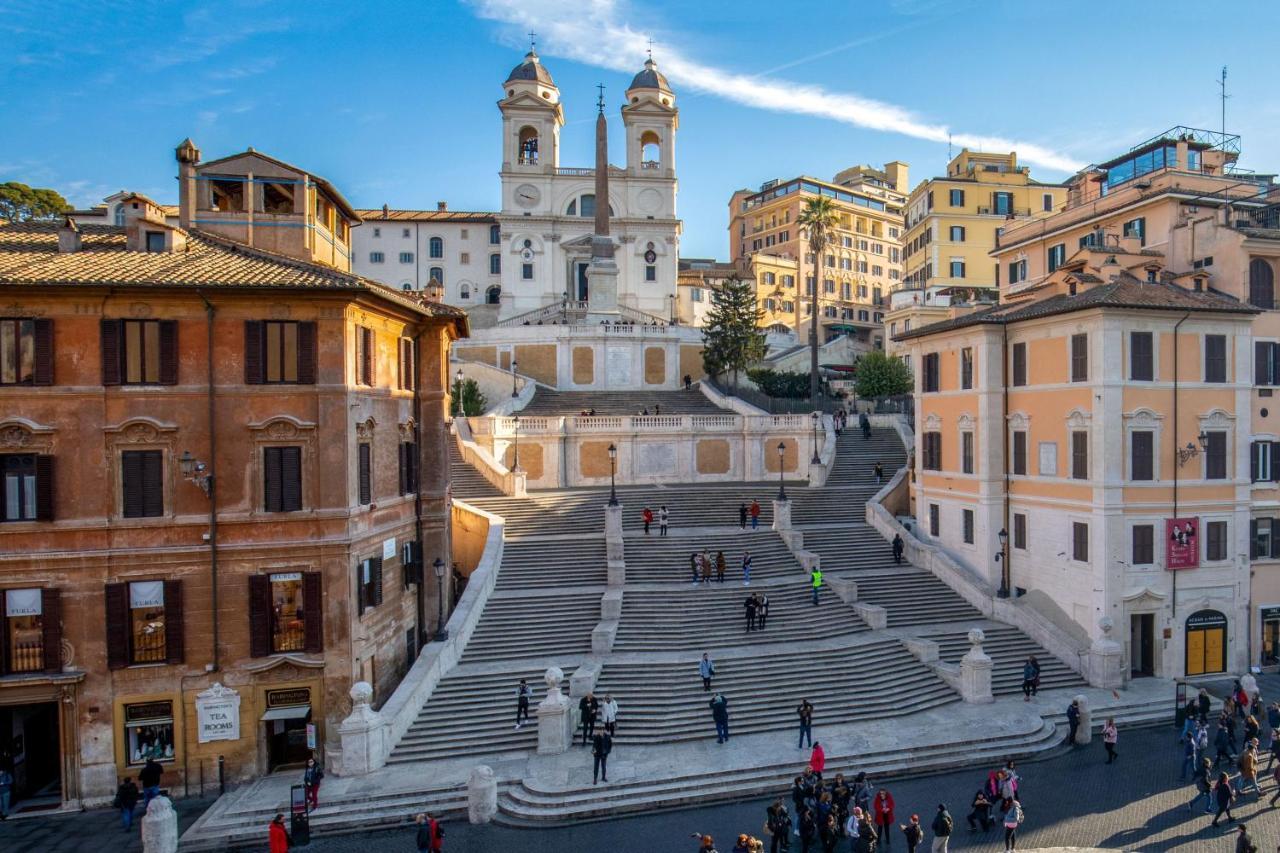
(366, 360)
(360, 587)
(313, 615)
(290, 479)
(44, 353)
(412, 454)
(259, 616)
(404, 468)
(111, 334)
(253, 352)
(51, 622)
(375, 570)
(307, 354)
(117, 597)
(131, 480)
(365, 480)
(44, 488)
(174, 629)
(271, 479)
(168, 352)
(152, 483)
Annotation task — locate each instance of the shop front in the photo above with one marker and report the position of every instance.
(1206, 634)
(148, 728)
(1269, 625)
(288, 730)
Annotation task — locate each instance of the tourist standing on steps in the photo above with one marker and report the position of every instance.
(662, 520)
(898, 546)
(1223, 796)
(1028, 680)
(750, 606)
(879, 472)
(646, 515)
(815, 576)
(601, 746)
(762, 609)
(1109, 738)
(755, 514)
(818, 760)
(941, 825)
(912, 833)
(720, 714)
(805, 712)
(706, 567)
(588, 709)
(523, 694)
(746, 568)
(609, 715)
(706, 669)
(882, 810)
(742, 515)
(311, 778)
(1073, 721)
(720, 567)
(693, 566)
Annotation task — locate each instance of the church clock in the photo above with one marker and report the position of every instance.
(527, 195)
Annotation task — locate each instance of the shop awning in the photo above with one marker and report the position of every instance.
(293, 712)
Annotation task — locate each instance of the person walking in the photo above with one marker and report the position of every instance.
(1188, 756)
(882, 811)
(150, 779)
(588, 712)
(750, 606)
(523, 694)
(1244, 841)
(1223, 796)
(1222, 746)
(1204, 786)
(1028, 680)
(1249, 769)
(867, 835)
(693, 566)
(746, 568)
(864, 423)
(941, 825)
(609, 714)
(1012, 820)
(1073, 721)
(662, 520)
(980, 812)
(429, 837)
(646, 515)
(126, 800)
(762, 610)
(818, 760)
(311, 778)
(706, 669)
(898, 547)
(1035, 679)
(778, 826)
(277, 835)
(720, 567)
(879, 472)
(805, 712)
(755, 514)
(742, 515)
(720, 714)
(601, 746)
(912, 832)
(815, 577)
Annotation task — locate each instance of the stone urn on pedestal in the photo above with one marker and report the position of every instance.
(362, 734)
(555, 720)
(975, 671)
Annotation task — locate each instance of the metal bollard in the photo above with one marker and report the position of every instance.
(222, 775)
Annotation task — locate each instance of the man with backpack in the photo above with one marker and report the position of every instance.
(941, 829)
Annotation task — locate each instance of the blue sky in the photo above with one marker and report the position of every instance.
(395, 102)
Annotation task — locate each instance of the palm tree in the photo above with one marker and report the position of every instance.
(819, 217)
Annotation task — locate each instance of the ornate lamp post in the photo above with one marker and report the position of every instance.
(782, 450)
(441, 633)
(515, 447)
(613, 471)
(816, 417)
(1002, 559)
(1186, 454)
(514, 392)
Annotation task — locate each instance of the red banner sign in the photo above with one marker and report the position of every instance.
(1182, 543)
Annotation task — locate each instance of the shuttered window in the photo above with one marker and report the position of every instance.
(365, 472)
(26, 351)
(142, 483)
(139, 352)
(1020, 364)
(934, 519)
(368, 583)
(1019, 452)
(1141, 455)
(966, 517)
(1141, 357)
(929, 378)
(1215, 456)
(408, 378)
(1080, 541)
(931, 449)
(966, 368)
(1079, 358)
(1215, 540)
(1143, 544)
(30, 631)
(27, 483)
(282, 479)
(285, 613)
(408, 467)
(364, 356)
(1020, 530)
(279, 352)
(1215, 358)
(966, 452)
(145, 623)
(1079, 455)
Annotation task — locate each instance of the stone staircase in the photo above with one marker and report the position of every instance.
(665, 559)
(1009, 649)
(546, 402)
(521, 624)
(466, 481)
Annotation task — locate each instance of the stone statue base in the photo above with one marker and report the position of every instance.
(781, 515)
(975, 672)
(555, 717)
(482, 795)
(160, 827)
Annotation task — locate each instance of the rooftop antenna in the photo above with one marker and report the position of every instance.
(651, 50)
(533, 42)
(1223, 85)
(948, 147)
(600, 100)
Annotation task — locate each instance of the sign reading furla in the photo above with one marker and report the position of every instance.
(218, 714)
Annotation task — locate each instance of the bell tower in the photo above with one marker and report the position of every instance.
(531, 119)
(651, 120)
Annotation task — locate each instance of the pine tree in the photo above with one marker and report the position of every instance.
(732, 339)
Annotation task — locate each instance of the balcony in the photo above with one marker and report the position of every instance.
(1014, 212)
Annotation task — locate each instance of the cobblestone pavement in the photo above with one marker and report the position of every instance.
(94, 831)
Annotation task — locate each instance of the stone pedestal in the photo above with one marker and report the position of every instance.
(603, 636)
(616, 572)
(1084, 734)
(555, 717)
(482, 795)
(611, 604)
(363, 734)
(613, 521)
(583, 680)
(817, 474)
(975, 671)
(781, 515)
(1106, 659)
(519, 483)
(160, 827)
(602, 282)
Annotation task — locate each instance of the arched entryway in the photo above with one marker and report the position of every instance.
(1206, 642)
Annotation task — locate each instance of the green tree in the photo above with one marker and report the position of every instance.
(732, 339)
(19, 202)
(818, 218)
(880, 375)
(786, 384)
(466, 397)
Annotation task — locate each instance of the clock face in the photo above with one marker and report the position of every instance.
(527, 195)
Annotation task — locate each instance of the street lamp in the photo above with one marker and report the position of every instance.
(816, 460)
(195, 471)
(441, 633)
(613, 470)
(515, 447)
(514, 393)
(782, 450)
(459, 412)
(1003, 536)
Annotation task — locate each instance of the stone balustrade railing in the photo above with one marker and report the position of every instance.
(482, 460)
(558, 425)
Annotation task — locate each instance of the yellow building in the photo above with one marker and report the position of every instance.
(860, 266)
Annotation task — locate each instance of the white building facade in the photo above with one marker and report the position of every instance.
(406, 249)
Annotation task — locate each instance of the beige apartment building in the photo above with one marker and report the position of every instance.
(858, 269)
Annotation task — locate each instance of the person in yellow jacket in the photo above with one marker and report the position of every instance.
(816, 576)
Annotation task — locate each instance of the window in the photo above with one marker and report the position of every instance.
(285, 613)
(406, 257)
(281, 479)
(142, 483)
(435, 248)
(1144, 550)
(365, 473)
(957, 198)
(526, 272)
(929, 372)
(404, 232)
(377, 232)
(1215, 358)
(1215, 455)
(368, 584)
(966, 518)
(1002, 203)
(288, 612)
(377, 257)
(1261, 542)
(1046, 202)
(1048, 459)
(966, 452)
(493, 296)
(1266, 363)
(966, 368)
(957, 269)
(1057, 256)
(1017, 271)
(464, 291)
(1262, 293)
(1136, 228)
(226, 194)
(407, 364)
(1080, 541)
(144, 623)
(1020, 452)
(1215, 539)
(1141, 455)
(436, 273)
(148, 733)
(31, 639)
(650, 272)
(1141, 357)
(1020, 531)
(279, 352)
(934, 520)
(1264, 461)
(28, 487)
(364, 355)
(1079, 455)
(586, 206)
(1079, 358)
(26, 352)
(931, 449)
(828, 285)
(1019, 364)
(139, 352)
(495, 264)
(957, 233)
(408, 466)
(695, 294)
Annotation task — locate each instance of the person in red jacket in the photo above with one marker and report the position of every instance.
(818, 759)
(647, 517)
(882, 810)
(277, 837)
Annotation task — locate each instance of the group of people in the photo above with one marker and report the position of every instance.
(1214, 786)
(703, 565)
(147, 788)
(593, 711)
(840, 422)
(751, 512)
(647, 517)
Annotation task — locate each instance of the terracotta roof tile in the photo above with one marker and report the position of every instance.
(374, 216)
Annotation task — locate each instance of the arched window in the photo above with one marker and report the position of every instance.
(406, 286)
(493, 296)
(120, 214)
(1262, 289)
(495, 264)
(587, 205)
(495, 235)
(437, 273)
(650, 150)
(528, 154)
(464, 292)
(436, 247)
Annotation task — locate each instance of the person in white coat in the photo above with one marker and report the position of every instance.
(609, 714)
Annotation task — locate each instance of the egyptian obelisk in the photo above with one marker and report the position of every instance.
(602, 272)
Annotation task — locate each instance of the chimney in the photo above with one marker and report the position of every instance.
(68, 236)
(188, 156)
(897, 172)
(442, 206)
(386, 211)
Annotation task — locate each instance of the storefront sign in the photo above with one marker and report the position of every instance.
(389, 548)
(146, 594)
(285, 577)
(289, 698)
(1203, 619)
(311, 735)
(149, 712)
(21, 602)
(1182, 543)
(1269, 613)
(218, 714)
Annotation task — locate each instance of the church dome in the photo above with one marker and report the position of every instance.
(532, 70)
(650, 78)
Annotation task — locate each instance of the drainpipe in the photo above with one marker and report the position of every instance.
(1006, 576)
(417, 491)
(213, 483)
(1176, 463)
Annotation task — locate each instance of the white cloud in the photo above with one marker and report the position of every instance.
(594, 32)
